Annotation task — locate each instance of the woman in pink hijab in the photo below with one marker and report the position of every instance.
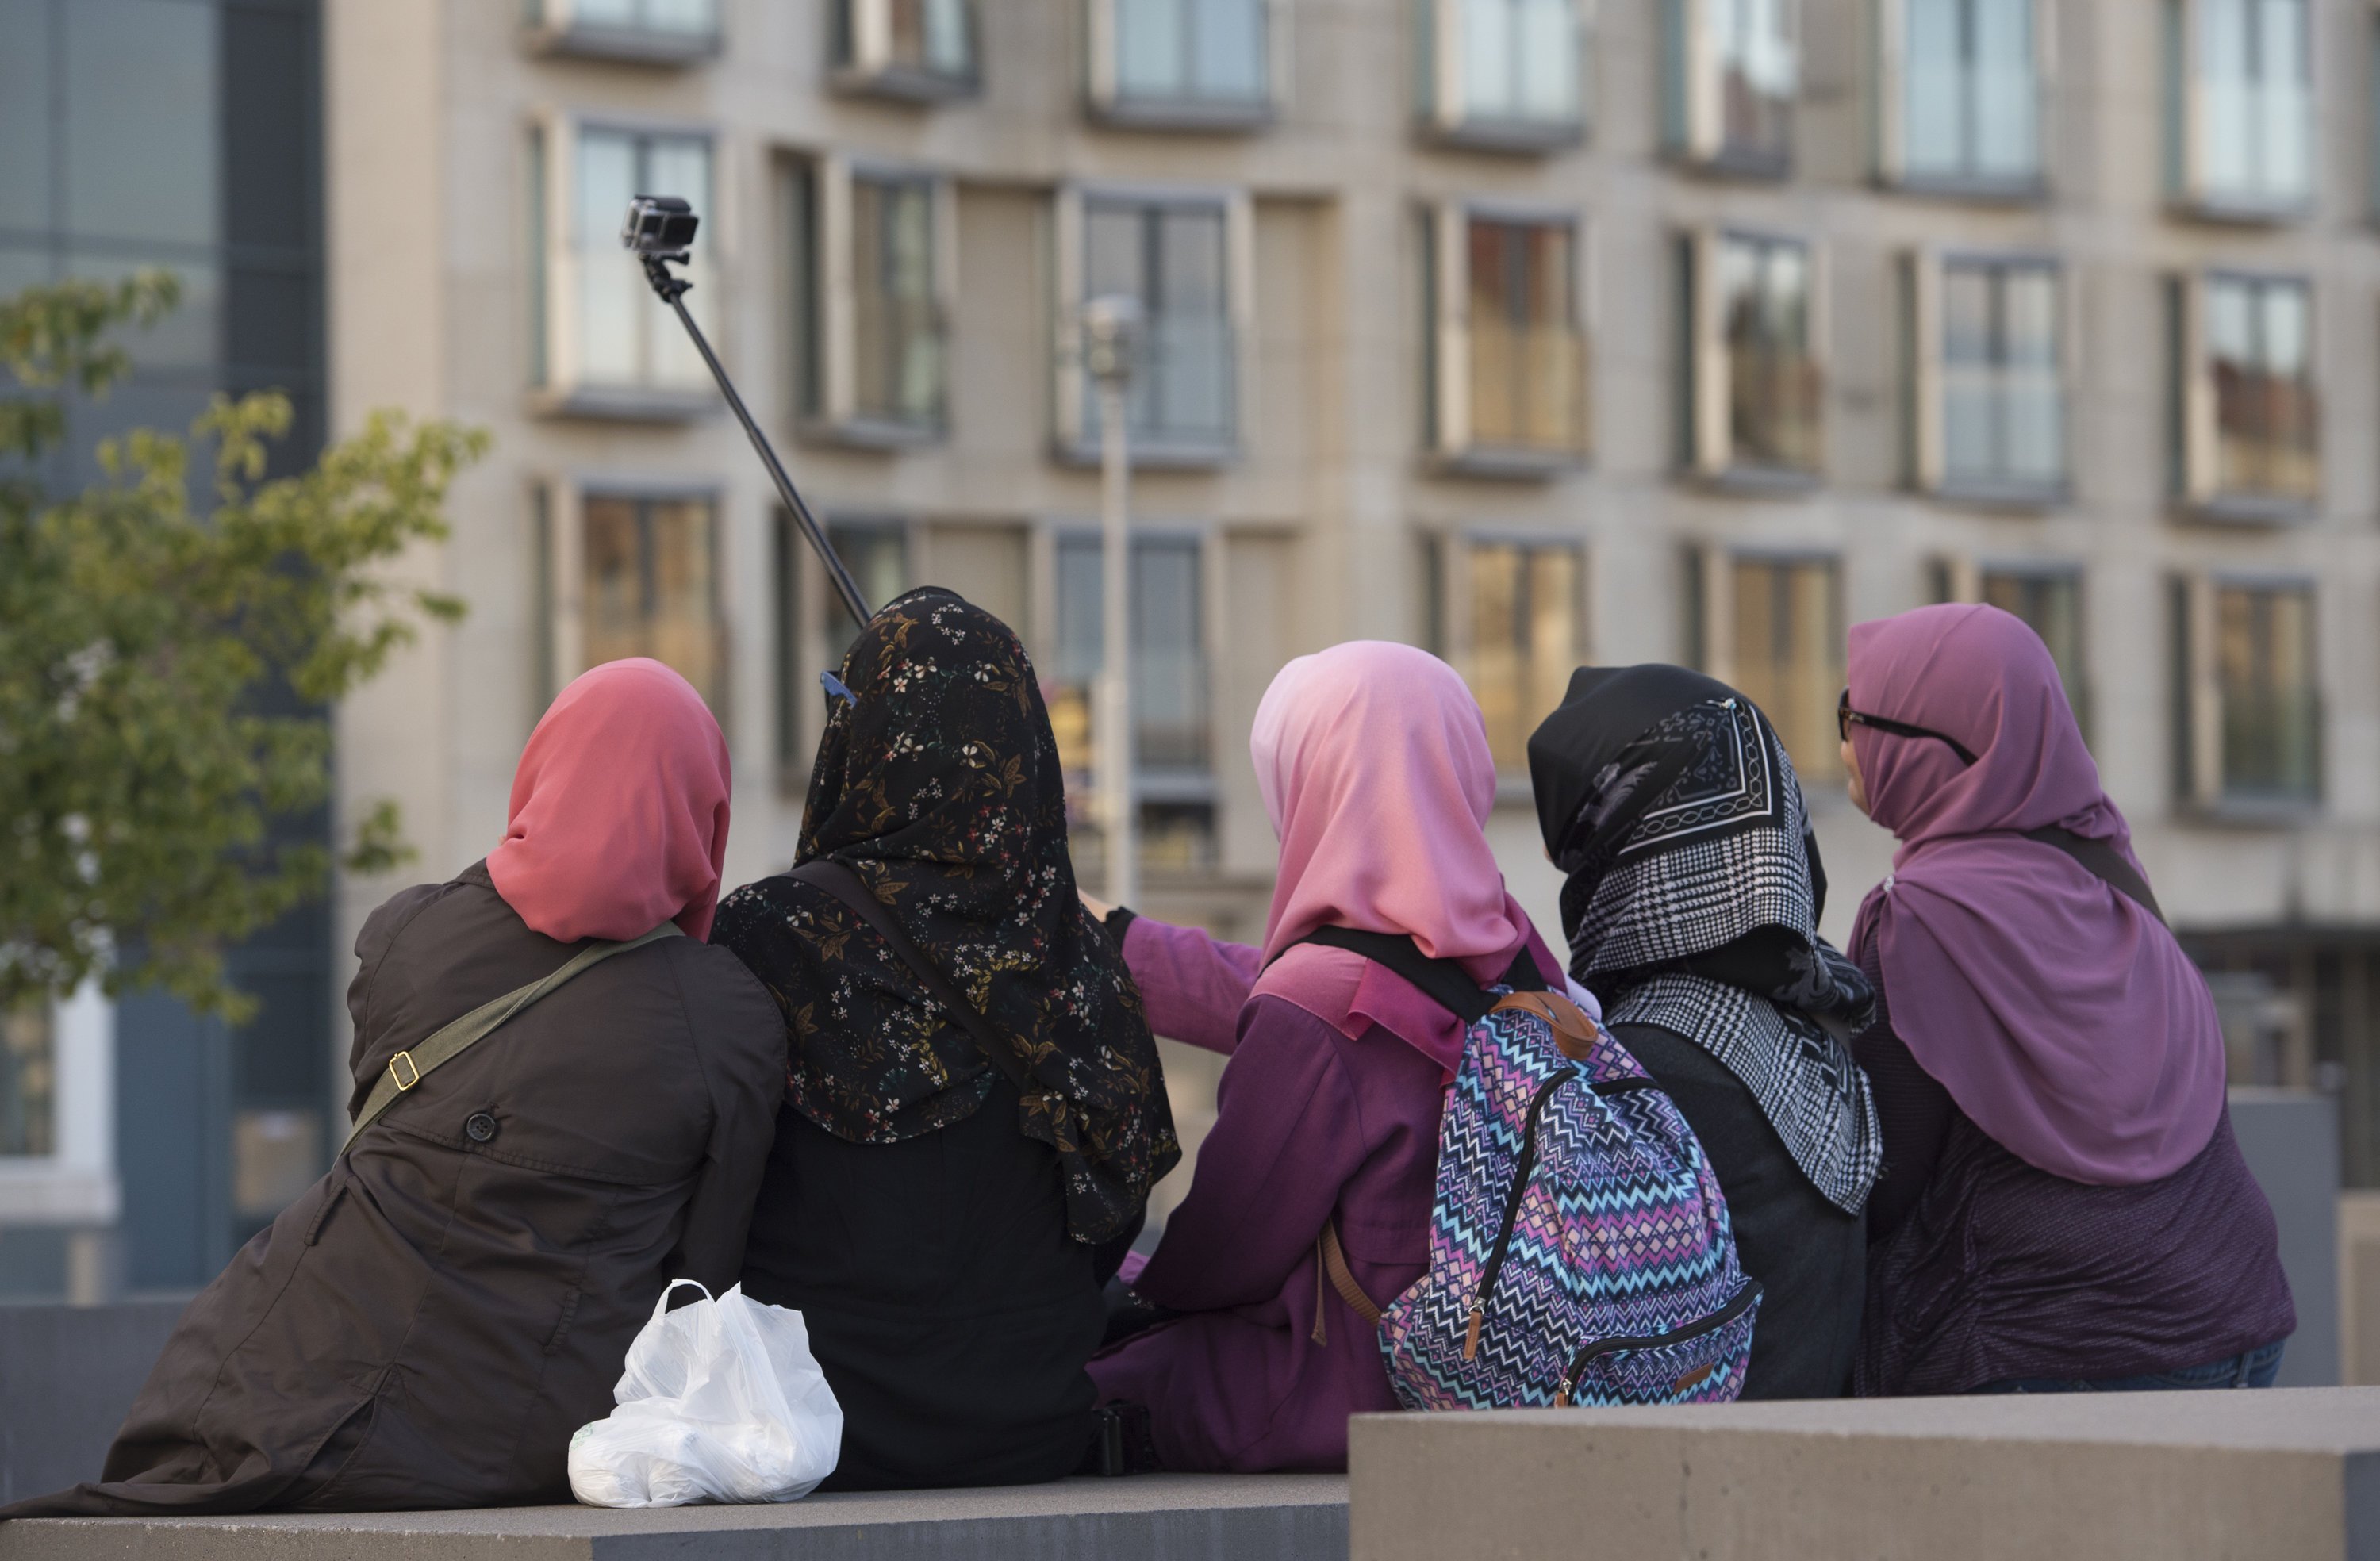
(2062, 1207)
(1374, 765)
(428, 1325)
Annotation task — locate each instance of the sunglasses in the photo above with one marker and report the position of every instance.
(1846, 718)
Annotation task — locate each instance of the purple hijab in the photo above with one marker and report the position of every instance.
(2062, 1017)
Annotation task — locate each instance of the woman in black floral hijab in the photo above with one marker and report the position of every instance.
(943, 1229)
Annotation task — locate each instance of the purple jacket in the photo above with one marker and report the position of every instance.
(1308, 1123)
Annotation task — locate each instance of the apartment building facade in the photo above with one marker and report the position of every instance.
(1535, 332)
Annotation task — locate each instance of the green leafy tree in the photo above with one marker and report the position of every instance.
(163, 669)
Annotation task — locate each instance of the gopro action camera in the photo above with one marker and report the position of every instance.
(659, 225)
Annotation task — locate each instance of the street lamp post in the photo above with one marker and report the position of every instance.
(1111, 327)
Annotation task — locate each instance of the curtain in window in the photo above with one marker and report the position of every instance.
(2260, 350)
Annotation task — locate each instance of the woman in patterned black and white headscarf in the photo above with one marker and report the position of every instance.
(1692, 909)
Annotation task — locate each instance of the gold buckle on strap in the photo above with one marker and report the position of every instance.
(404, 1084)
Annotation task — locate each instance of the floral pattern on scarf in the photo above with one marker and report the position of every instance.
(939, 784)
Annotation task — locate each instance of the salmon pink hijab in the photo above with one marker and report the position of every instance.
(1373, 761)
(619, 809)
(2062, 1016)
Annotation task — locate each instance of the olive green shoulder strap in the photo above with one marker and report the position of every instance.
(408, 1068)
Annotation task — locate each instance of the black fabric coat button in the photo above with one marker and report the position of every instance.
(482, 1127)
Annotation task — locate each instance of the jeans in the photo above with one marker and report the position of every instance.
(2251, 1368)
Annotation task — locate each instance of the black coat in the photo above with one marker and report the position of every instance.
(429, 1325)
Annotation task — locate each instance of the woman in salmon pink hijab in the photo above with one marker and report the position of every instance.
(428, 1325)
(2062, 1207)
(1374, 766)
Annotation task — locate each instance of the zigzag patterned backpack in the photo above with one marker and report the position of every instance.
(1579, 1248)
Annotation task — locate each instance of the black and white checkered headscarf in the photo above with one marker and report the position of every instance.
(1694, 898)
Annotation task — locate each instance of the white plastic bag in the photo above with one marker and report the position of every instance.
(722, 1401)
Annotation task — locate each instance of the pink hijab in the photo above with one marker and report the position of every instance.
(2059, 1014)
(619, 809)
(1373, 761)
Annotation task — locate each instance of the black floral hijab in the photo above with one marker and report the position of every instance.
(1694, 895)
(938, 783)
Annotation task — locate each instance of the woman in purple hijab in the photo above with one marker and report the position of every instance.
(2062, 1205)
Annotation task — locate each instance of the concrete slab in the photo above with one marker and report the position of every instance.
(1143, 1517)
(2224, 1476)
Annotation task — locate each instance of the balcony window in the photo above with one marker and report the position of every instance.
(649, 585)
(1522, 626)
(2250, 433)
(1507, 365)
(658, 32)
(1182, 261)
(1754, 378)
(1991, 377)
(1191, 63)
(872, 287)
(2250, 716)
(2240, 106)
(922, 50)
(604, 345)
(1732, 67)
(1962, 94)
(1785, 632)
(1502, 73)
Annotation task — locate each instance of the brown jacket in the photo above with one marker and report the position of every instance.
(429, 1325)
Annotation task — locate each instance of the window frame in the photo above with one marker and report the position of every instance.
(1710, 643)
(1110, 103)
(1447, 365)
(821, 292)
(1694, 116)
(1705, 380)
(562, 550)
(2199, 785)
(1962, 576)
(552, 28)
(1449, 553)
(2194, 430)
(861, 62)
(558, 384)
(1443, 105)
(1888, 113)
(1923, 275)
(76, 1185)
(2185, 130)
(1073, 440)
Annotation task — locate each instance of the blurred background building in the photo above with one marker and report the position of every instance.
(1534, 332)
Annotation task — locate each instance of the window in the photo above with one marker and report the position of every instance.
(2250, 718)
(1773, 629)
(1508, 353)
(649, 585)
(876, 553)
(607, 345)
(663, 31)
(1990, 408)
(1754, 377)
(2239, 105)
(2050, 602)
(1172, 738)
(2249, 435)
(29, 1082)
(872, 287)
(1522, 621)
(1503, 72)
(918, 49)
(1198, 62)
(1183, 259)
(1962, 100)
(1732, 67)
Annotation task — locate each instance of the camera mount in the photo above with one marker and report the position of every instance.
(660, 232)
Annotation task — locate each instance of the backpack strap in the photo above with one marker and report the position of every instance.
(408, 1067)
(826, 873)
(2103, 862)
(1573, 1031)
(1330, 1262)
(1444, 982)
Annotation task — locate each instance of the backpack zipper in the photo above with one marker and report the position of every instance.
(1528, 1162)
(1736, 1307)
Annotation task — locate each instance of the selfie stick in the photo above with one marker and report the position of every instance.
(672, 289)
